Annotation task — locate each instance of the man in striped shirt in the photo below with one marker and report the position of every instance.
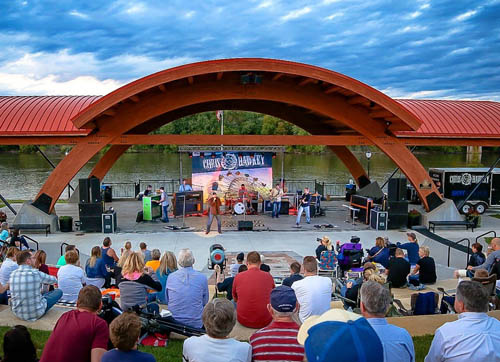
(278, 341)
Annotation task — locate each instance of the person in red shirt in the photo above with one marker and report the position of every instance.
(79, 335)
(278, 341)
(251, 291)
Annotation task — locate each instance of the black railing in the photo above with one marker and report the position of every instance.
(32, 240)
(456, 243)
(486, 233)
(66, 244)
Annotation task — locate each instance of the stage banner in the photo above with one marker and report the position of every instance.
(225, 172)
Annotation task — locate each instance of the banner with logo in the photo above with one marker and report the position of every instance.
(225, 172)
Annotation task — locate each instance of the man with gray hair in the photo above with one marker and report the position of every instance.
(474, 336)
(396, 342)
(187, 291)
(219, 319)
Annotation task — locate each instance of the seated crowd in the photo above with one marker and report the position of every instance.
(293, 321)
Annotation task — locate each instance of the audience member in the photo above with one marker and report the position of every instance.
(168, 264)
(62, 259)
(265, 268)
(79, 335)
(154, 263)
(325, 245)
(379, 253)
(235, 267)
(251, 291)
(40, 258)
(187, 291)
(117, 269)
(18, 346)
(278, 341)
(398, 270)
(4, 232)
(25, 284)
(8, 265)
(226, 284)
(340, 336)
(477, 258)
(474, 336)
(96, 269)
(314, 292)
(294, 274)
(146, 254)
(108, 253)
(215, 346)
(4, 297)
(71, 277)
(411, 247)
(490, 260)
(126, 246)
(124, 333)
(135, 282)
(351, 290)
(425, 270)
(396, 341)
(18, 241)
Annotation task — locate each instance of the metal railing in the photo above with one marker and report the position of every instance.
(456, 243)
(31, 240)
(66, 244)
(335, 190)
(486, 233)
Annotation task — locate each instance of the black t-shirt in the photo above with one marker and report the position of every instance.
(226, 286)
(292, 278)
(427, 270)
(306, 198)
(399, 268)
(321, 248)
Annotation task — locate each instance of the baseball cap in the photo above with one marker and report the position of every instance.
(412, 235)
(283, 299)
(328, 334)
(240, 257)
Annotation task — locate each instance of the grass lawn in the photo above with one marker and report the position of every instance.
(496, 215)
(173, 352)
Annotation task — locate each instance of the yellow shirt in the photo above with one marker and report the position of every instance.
(155, 264)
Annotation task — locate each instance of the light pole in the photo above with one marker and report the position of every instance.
(368, 155)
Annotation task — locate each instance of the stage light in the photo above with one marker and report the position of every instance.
(213, 155)
(202, 154)
(190, 155)
(252, 155)
(274, 155)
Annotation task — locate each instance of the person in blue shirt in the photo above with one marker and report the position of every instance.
(168, 265)
(379, 253)
(96, 268)
(185, 187)
(4, 233)
(412, 247)
(397, 343)
(124, 333)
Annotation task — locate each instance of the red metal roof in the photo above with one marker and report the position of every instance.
(41, 115)
(51, 116)
(457, 119)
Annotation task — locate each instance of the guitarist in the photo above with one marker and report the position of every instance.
(276, 195)
(304, 204)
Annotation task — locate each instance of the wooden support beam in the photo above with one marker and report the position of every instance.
(134, 98)
(307, 81)
(277, 76)
(219, 75)
(190, 80)
(162, 88)
(109, 112)
(357, 100)
(332, 89)
(380, 114)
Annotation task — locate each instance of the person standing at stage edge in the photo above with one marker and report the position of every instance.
(276, 195)
(214, 204)
(185, 187)
(304, 202)
(164, 204)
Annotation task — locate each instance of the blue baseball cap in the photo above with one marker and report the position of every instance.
(326, 338)
(283, 299)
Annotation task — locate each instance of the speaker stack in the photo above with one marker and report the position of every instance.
(397, 203)
(90, 204)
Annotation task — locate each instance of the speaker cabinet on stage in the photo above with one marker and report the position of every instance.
(245, 225)
(95, 190)
(285, 206)
(267, 205)
(398, 214)
(90, 210)
(84, 190)
(109, 222)
(91, 223)
(397, 207)
(378, 219)
(396, 189)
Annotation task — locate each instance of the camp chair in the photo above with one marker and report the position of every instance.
(420, 304)
(490, 284)
(327, 264)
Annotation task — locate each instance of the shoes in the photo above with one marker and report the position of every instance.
(206, 232)
(164, 221)
(220, 232)
(308, 222)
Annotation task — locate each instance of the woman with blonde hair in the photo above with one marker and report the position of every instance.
(96, 268)
(379, 253)
(135, 282)
(168, 264)
(325, 245)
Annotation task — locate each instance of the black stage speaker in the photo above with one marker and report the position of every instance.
(396, 189)
(91, 223)
(84, 190)
(285, 205)
(245, 225)
(397, 221)
(108, 194)
(95, 190)
(267, 205)
(43, 203)
(90, 210)
(398, 207)
(373, 191)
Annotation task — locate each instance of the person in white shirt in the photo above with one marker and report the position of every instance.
(71, 277)
(314, 292)
(8, 265)
(239, 262)
(475, 336)
(219, 319)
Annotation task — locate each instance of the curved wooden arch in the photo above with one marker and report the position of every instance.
(340, 105)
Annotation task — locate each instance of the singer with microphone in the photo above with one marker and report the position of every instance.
(214, 204)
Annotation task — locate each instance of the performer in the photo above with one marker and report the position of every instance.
(184, 187)
(147, 192)
(304, 203)
(244, 197)
(276, 195)
(164, 204)
(214, 204)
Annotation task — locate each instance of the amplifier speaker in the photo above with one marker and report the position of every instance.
(398, 207)
(43, 203)
(91, 223)
(285, 206)
(84, 190)
(267, 206)
(95, 190)
(90, 210)
(397, 221)
(396, 189)
(245, 225)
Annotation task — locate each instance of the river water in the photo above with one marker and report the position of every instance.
(21, 175)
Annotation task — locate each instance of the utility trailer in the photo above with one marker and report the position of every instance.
(457, 183)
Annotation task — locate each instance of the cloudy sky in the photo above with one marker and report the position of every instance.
(412, 49)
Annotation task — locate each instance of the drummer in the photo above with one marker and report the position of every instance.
(244, 194)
